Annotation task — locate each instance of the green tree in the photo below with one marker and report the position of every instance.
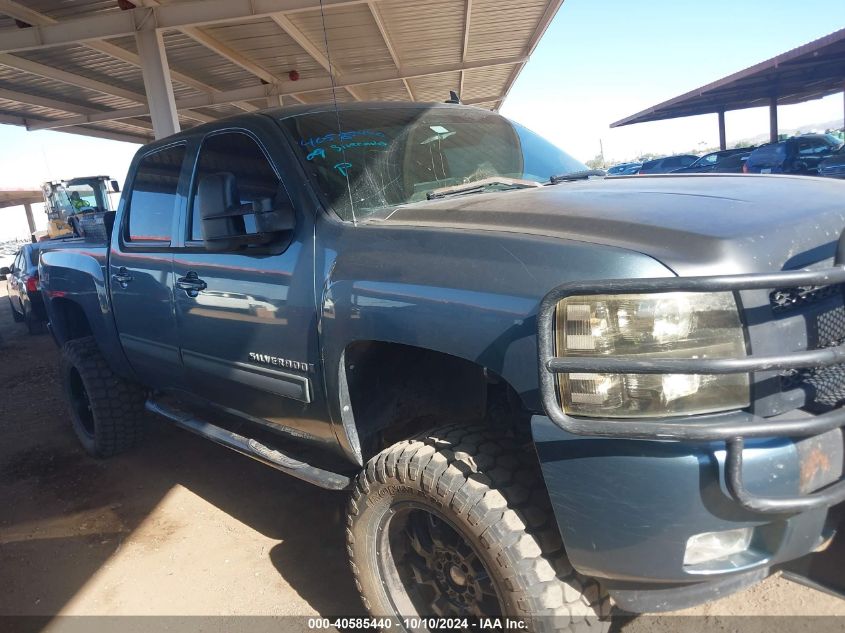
(597, 162)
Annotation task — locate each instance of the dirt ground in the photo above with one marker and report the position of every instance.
(182, 526)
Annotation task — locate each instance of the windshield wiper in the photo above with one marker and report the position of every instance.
(576, 175)
(478, 186)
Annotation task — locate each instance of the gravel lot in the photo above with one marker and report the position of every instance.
(184, 527)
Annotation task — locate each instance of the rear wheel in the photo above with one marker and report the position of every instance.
(458, 524)
(107, 412)
(16, 317)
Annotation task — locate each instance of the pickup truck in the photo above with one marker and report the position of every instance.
(545, 393)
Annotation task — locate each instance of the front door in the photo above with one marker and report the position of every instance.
(247, 316)
(141, 268)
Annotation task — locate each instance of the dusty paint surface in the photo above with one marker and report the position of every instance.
(184, 527)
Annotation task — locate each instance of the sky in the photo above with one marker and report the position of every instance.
(599, 61)
(602, 60)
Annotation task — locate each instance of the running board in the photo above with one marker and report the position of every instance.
(252, 448)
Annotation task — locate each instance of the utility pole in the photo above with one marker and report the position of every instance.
(601, 152)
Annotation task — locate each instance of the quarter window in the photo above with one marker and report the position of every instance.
(237, 154)
(152, 202)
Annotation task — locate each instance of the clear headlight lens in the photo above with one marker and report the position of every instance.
(666, 325)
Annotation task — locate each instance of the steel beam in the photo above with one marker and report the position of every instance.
(290, 88)
(773, 119)
(309, 47)
(20, 121)
(170, 16)
(49, 72)
(20, 12)
(723, 141)
(229, 53)
(159, 89)
(30, 219)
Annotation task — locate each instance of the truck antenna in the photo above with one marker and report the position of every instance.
(337, 111)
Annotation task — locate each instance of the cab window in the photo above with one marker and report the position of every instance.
(240, 155)
(152, 202)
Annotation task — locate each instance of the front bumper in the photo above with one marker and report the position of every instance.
(627, 507)
(629, 493)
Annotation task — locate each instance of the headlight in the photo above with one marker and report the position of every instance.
(667, 325)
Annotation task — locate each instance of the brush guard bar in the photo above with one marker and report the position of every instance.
(733, 427)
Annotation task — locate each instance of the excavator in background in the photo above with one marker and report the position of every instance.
(78, 206)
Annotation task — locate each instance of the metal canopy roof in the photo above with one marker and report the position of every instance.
(18, 197)
(74, 65)
(811, 71)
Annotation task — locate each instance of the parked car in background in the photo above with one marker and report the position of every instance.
(797, 155)
(624, 169)
(24, 289)
(833, 166)
(667, 164)
(718, 162)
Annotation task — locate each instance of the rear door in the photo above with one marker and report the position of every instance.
(16, 287)
(141, 267)
(248, 331)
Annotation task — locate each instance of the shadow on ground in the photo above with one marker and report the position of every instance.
(63, 515)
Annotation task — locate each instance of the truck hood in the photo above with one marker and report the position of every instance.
(695, 225)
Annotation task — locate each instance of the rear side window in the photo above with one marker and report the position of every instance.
(152, 202)
(768, 155)
(255, 178)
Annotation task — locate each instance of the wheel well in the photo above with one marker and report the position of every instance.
(396, 391)
(70, 320)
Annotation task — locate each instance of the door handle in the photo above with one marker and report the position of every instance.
(122, 277)
(191, 284)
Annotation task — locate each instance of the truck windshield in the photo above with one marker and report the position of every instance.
(364, 161)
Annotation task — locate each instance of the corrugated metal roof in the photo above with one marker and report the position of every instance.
(384, 50)
(811, 71)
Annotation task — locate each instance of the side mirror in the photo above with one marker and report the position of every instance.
(3, 272)
(115, 186)
(223, 216)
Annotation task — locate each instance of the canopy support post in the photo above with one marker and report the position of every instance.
(157, 84)
(773, 120)
(29, 217)
(723, 142)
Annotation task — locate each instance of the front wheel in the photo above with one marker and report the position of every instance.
(458, 524)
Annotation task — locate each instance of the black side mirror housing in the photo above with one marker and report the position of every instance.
(222, 215)
(115, 186)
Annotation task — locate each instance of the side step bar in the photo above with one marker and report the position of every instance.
(252, 448)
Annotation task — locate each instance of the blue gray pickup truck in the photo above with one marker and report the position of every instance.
(546, 394)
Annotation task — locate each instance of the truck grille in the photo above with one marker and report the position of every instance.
(786, 299)
(824, 387)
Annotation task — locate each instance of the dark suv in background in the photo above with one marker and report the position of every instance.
(24, 289)
(667, 164)
(833, 166)
(624, 169)
(798, 155)
(725, 161)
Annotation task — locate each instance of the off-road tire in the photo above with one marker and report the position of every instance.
(17, 318)
(114, 421)
(491, 491)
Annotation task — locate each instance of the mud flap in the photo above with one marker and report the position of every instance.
(822, 569)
